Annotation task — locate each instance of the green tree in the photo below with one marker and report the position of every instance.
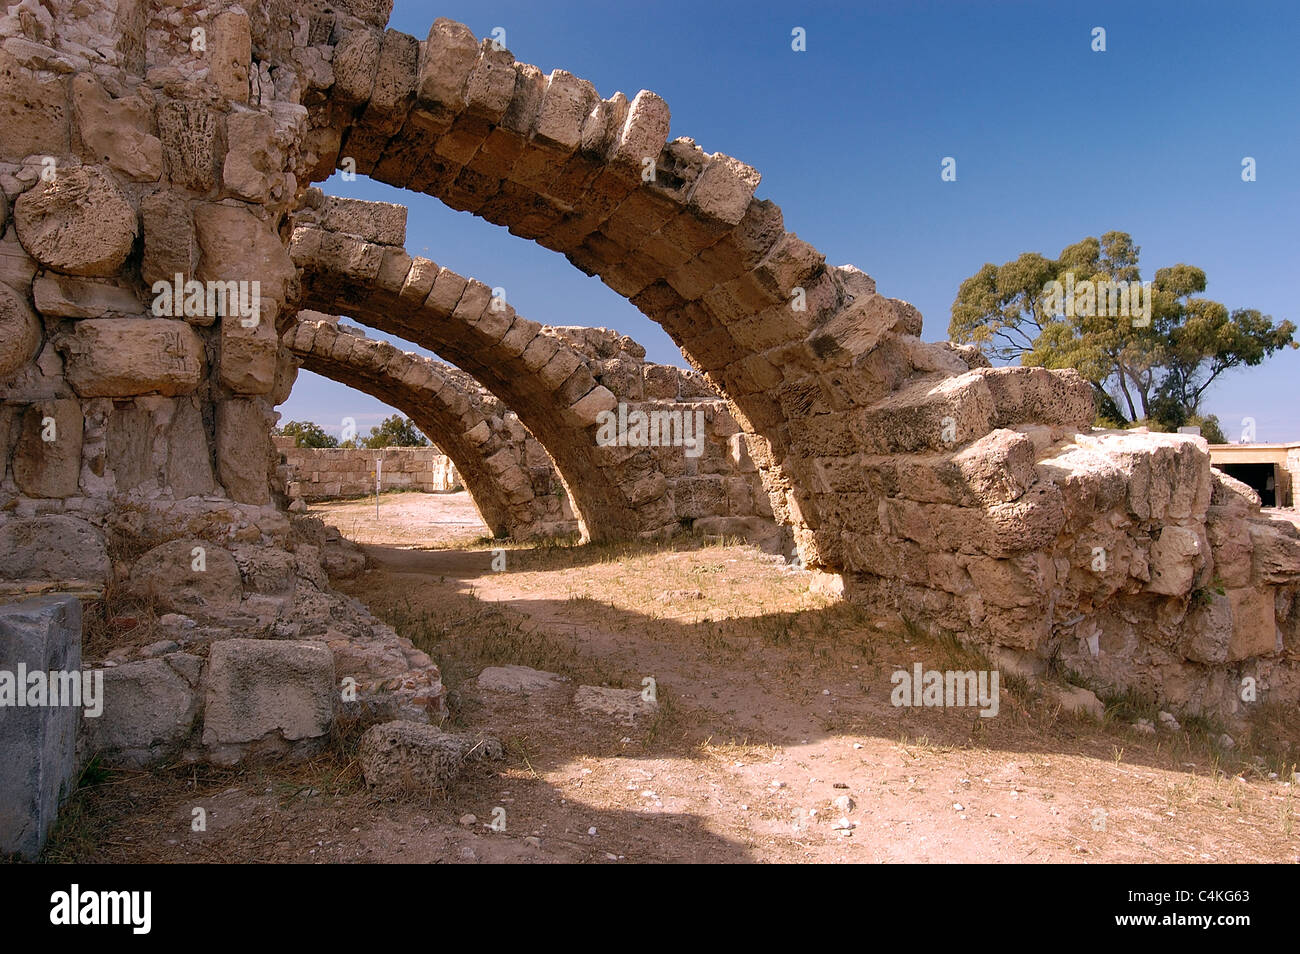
(307, 434)
(1152, 368)
(396, 431)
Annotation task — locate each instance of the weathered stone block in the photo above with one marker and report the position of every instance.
(450, 55)
(170, 248)
(20, 332)
(51, 547)
(189, 459)
(64, 296)
(248, 355)
(253, 160)
(47, 458)
(380, 222)
(33, 112)
(150, 707)
(236, 245)
(194, 577)
(724, 188)
(81, 223)
(188, 131)
(230, 55)
(271, 696)
(414, 758)
(117, 131)
(355, 60)
(1254, 627)
(243, 447)
(39, 768)
(1176, 557)
(123, 357)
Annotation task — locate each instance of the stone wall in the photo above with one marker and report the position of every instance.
(149, 155)
(318, 473)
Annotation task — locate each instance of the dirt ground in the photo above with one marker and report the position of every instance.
(773, 706)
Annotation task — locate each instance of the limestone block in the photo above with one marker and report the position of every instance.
(1254, 628)
(518, 679)
(355, 61)
(132, 432)
(47, 458)
(396, 74)
(564, 106)
(170, 248)
(189, 461)
(20, 332)
(1207, 631)
(491, 83)
(243, 448)
(230, 55)
(236, 245)
(150, 707)
(450, 55)
(122, 357)
(188, 131)
(557, 370)
(81, 223)
(39, 768)
(248, 356)
(193, 577)
(374, 12)
(51, 547)
(929, 415)
(33, 112)
(381, 222)
(619, 706)
(1275, 551)
(65, 296)
(588, 408)
(1177, 555)
(645, 131)
(118, 132)
(414, 758)
(1039, 396)
(724, 188)
(253, 161)
(266, 692)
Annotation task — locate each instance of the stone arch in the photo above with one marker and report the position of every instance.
(561, 380)
(420, 302)
(471, 427)
(925, 481)
(798, 348)
(810, 357)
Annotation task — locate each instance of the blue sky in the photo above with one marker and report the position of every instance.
(1053, 142)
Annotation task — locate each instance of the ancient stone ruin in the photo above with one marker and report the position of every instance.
(157, 160)
(518, 490)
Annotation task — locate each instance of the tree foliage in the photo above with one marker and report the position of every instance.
(1156, 373)
(307, 434)
(395, 431)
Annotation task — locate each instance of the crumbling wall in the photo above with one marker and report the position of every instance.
(149, 156)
